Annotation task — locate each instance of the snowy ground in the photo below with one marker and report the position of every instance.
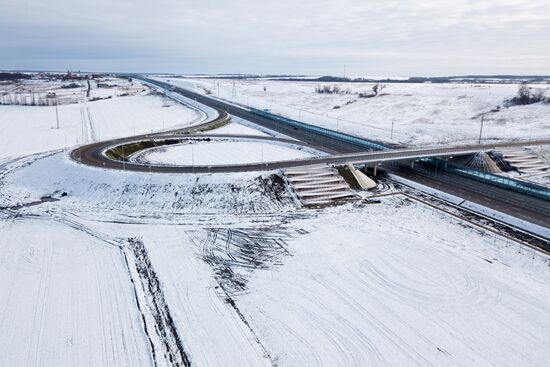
(222, 151)
(250, 278)
(362, 290)
(32, 129)
(543, 152)
(114, 268)
(420, 113)
(66, 299)
(92, 190)
(35, 91)
(236, 129)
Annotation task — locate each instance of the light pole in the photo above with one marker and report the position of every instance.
(391, 134)
(56, 112)
(481, 127)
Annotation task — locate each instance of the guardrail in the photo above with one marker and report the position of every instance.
(527, 188)
(523, 187)
(366, 143)
(509, 183)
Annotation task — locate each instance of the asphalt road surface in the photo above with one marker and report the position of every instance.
(512, 203)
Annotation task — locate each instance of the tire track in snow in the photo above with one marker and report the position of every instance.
(106, 328)
(164, 324)
(152, 298)
(234, 254)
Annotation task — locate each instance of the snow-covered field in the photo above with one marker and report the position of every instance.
(420, 113)
(66, 299)
(343, 285)
(32, 129)
(253, 280)
(113, 268)
(236, 129)
(92, 190)
(417, 290)
(219, 152)
(49, 91)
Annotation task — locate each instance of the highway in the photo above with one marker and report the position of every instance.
(524, 207)
(92, 154)
(508, 202)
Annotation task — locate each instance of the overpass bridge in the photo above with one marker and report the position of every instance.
(514, 197)
(415, 154)
(346, 148)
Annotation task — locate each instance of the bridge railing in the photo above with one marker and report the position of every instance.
(529, 188)
(368, 144)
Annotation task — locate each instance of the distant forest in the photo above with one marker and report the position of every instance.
(504, 79)
(14, 76)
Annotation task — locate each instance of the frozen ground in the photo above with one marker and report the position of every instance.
(543, 152)
(92, 190)
(362, 290)
(32, 129)
(236, 129)
(420, 113)
(250, 278)
(113, 268)
(219, 152)
(35, 91)
(66, 299)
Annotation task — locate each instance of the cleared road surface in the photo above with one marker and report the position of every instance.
(512, 203)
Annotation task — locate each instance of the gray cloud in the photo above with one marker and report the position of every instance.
(410, 37)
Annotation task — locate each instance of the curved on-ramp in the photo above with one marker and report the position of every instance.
(94, 154)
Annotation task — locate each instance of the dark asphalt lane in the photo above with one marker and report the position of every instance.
(509, 202)
(513, 203)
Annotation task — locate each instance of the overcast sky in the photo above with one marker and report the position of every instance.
(318, 37)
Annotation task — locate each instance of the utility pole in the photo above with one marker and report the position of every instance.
(481, 127)
(56, 112)
(391, 134)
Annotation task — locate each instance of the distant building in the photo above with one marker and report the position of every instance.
(71, 76)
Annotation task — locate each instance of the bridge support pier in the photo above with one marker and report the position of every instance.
(375, 169)
(412, 164)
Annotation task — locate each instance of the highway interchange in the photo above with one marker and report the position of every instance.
(519, 205)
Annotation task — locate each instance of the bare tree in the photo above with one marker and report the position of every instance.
(524, 94)
(377, 88)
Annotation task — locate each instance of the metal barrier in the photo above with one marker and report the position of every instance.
(528, 188)
(523, 187)
(369, 144)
